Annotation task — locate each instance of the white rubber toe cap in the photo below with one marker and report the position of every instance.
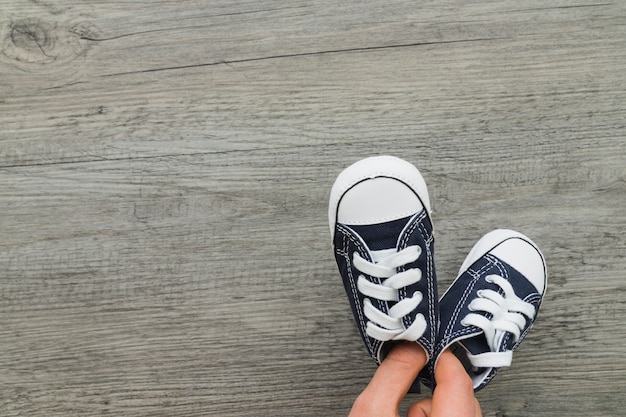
(516, 250)
(377, 200)
(375, 190)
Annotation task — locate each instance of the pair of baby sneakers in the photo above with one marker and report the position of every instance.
(382, 235)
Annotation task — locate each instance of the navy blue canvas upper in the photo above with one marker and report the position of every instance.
(414, 230)
(454, 306)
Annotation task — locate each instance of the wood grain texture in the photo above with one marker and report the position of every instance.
(165, 170)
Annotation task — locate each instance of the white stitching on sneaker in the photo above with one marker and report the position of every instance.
(382, 326)
(508, 314)
(346, 239)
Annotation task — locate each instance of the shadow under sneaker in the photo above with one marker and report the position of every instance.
(379, 217)
(492, 304)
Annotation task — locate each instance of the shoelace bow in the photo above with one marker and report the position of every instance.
(508, 314)
(382, 326)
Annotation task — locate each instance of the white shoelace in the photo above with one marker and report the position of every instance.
(509, 314)
(382, 326)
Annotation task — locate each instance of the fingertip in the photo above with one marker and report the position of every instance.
(407, 355)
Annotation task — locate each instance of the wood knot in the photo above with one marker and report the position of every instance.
(32, 43)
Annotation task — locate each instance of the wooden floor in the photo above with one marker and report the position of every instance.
(164, 176)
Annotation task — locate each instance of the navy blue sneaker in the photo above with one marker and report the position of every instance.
(492, 304)
(382, 234)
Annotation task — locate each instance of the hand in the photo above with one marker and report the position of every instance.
(391, 382)
(454, 394)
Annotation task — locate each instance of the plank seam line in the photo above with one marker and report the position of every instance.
(101, 159)
(300, 55)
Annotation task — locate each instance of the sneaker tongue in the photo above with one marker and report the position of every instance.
(381, 236)
(477, 344)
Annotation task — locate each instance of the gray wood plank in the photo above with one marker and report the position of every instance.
(164, 173)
